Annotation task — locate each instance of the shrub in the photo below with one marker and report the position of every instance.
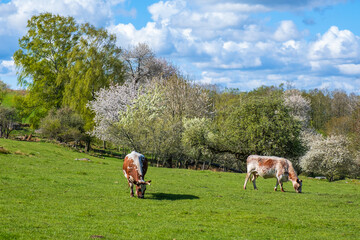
(63, 125)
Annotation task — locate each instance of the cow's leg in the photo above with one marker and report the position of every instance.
(281, 185)
(254, 181)
(131, 185)
(277, 183)
(246, 180)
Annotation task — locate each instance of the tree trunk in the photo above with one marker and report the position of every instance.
(169, 162)
(29, 137)
(209, 164)
(87, 145)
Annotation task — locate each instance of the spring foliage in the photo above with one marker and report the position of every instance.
(63, 64)
(63, 125)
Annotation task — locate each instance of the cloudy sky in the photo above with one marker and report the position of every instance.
(235, 43)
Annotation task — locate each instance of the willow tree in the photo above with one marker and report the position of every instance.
(95, 64)
(42, 62)
(63, 64)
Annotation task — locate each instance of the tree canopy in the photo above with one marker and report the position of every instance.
(62, 63)
(42, 61)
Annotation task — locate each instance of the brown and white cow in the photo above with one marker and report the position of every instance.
(135, 167)
(270, 167)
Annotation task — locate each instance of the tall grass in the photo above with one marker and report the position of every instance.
(46, 194)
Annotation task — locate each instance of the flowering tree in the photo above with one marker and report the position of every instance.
(108, 104)
(142, 65)
(148, 118)
(328, 156)
(141, 123)
(299, 106)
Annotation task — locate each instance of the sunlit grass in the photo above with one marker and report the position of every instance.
(46, 194)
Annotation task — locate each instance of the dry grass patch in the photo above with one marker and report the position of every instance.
(4, 151)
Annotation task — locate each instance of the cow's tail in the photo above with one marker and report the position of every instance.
(252, 177)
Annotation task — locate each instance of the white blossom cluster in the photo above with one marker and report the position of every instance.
(328, 156)
(300, 107)
(108, 104)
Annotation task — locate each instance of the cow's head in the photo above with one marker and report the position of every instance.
(141, 187)
(298, 185)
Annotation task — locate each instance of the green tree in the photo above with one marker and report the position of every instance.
(257, 122)
(321, 110)
(197, 138)
(42, 62)
(260, 123)
(62, 64)
(95, 64)
(8, 120)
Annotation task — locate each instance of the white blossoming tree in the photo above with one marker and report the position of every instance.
(142, 65)
(328, 156)
(299, 106)
(149, 118)
(108, 104)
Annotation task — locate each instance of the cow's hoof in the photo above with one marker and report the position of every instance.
(275, 189)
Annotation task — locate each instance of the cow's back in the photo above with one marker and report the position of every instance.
(135, 166)
(266, 166)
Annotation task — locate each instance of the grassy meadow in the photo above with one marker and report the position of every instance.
(8, 100)
(46, 194)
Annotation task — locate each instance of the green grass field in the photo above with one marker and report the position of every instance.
(46, 194)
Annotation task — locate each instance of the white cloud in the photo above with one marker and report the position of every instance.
(286, 31)
(163, 11)
(14, 14)
(155, 37)
(291, 44)
(349, 69)
(335, 44)
(7, 66)
(213, 78)
(236, 7)
(8, 73)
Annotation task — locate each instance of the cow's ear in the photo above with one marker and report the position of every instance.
(148, 182)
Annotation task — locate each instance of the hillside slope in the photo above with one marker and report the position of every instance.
(8, 100)
(46, 194)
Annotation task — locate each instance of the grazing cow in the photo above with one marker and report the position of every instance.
(134, 168)
(269, 167)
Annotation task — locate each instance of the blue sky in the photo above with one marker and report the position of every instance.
(234, 43)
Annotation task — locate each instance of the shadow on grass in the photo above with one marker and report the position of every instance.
(171, 196)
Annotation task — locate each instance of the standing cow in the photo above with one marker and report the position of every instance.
(134, 168)
(270, 167)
